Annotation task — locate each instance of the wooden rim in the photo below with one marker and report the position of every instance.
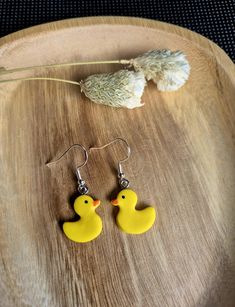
(201, 42)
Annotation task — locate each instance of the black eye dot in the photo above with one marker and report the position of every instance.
(123, 196)
(86, 201)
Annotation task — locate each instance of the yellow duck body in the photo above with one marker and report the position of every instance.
(129, 219)
(89, 226)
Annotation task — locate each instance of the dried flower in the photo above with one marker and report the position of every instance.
(120, 89)
(168, 69)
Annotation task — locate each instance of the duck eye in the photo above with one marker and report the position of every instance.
(123, 196)
(86, 201)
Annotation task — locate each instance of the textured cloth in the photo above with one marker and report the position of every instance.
(214, 19)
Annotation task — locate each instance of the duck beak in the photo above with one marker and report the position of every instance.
(96, 203)
(114, 202)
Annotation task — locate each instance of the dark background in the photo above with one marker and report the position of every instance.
(214, 19)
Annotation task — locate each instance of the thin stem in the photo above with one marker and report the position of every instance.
(4, 71)
(41, 78)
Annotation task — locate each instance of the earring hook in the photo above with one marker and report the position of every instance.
(124, 183)
(82, 187)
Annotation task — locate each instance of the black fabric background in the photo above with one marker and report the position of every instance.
(214, 19)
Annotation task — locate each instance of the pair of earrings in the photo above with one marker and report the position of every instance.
(128, 219)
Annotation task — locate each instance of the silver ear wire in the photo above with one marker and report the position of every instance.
(82, 187)
(123, 182)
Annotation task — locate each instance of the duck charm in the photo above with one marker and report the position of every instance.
(129, 219)
(89, 226)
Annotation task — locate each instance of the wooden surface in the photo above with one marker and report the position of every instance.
(183, 162)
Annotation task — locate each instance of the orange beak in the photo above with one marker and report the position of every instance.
(96, 203)
(114, 202)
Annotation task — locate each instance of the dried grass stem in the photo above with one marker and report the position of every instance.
(42, 78)
(4, 71)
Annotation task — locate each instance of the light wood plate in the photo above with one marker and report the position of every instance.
(183, 162)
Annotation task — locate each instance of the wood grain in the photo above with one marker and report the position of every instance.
(183, 162)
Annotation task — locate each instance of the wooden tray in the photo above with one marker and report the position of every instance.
(183, 162)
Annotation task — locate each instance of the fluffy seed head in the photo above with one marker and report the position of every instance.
(120, 89)
(168, 69)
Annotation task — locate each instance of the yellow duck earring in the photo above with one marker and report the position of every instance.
(89, 226)
(129, 219)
